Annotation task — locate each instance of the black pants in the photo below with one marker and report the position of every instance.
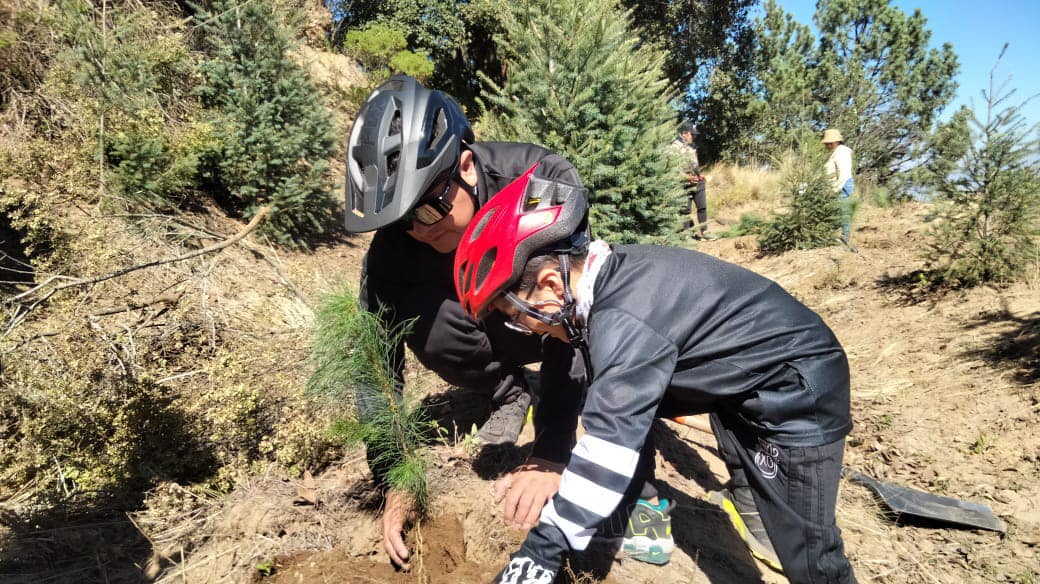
(795, 490)
(697, 196)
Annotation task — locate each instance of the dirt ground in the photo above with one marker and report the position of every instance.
(946, 398)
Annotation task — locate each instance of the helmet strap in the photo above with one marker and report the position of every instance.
(567, 317)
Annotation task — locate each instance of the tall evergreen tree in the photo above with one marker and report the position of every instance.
(783, 108)
(870, 72)
(581, 85)
(276, 137)
(709, 45)
(989, 200)
(880, 82)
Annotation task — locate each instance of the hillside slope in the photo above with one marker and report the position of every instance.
(945, 399)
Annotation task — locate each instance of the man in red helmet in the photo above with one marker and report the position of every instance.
(665, 332)
(416, 176)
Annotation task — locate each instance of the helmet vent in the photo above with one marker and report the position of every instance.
(482, 224)
(487, 261)
(537, 191)
(463, 275)
(395, 124)
(440, 127)
(392, 160)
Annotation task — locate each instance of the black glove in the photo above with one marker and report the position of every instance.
(523, 570)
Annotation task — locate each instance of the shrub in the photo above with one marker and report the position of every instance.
(128, 71)
(81, 427)
(749, 225)
(147, 170)
(813, 213)
(276, 137)
(381, 49)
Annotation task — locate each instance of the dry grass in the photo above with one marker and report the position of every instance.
(732, 186)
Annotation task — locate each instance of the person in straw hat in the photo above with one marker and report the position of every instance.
(839, 169)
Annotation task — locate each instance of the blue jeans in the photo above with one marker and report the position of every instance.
(846, 208)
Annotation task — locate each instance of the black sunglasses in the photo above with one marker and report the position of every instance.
(432, 208)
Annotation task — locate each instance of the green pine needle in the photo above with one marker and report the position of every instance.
(353, 359)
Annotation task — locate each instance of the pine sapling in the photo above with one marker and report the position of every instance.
(989, 198)
(814, 215)
(354, 357)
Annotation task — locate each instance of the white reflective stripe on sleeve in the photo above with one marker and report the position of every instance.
(577, 536)
(588, 495)
(608, 455)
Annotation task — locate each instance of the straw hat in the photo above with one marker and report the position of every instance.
(832, 136)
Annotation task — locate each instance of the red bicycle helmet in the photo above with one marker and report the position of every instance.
(528, 216)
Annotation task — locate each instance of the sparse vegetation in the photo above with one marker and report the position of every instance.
(732, 185)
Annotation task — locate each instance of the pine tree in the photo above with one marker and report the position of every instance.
(275, 134)
(813, 213)
(709, 45)
(580, 84)
(870, 73)
(989, 200)
(879, 82)
(784, 109)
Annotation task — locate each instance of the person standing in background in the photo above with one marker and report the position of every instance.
(839, 169)
(696, 187)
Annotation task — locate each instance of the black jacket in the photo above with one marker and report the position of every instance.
(677, 332)
(410, 280)
(395, 257)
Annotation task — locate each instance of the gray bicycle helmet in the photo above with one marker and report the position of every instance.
(404, 140)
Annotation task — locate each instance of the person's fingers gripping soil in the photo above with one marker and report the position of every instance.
(398, 510)
(502, 486)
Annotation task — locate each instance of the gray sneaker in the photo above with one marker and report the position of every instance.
(506, 422)
(648, 536)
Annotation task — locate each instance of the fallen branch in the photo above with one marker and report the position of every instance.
(28, 301)
(166, 299)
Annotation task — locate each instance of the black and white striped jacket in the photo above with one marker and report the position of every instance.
(677, 332)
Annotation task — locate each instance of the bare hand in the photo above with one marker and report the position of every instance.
(526, 490)
(398, 510)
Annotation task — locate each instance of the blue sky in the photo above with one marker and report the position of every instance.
(977, 30)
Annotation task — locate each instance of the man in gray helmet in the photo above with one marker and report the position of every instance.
(416, 176)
